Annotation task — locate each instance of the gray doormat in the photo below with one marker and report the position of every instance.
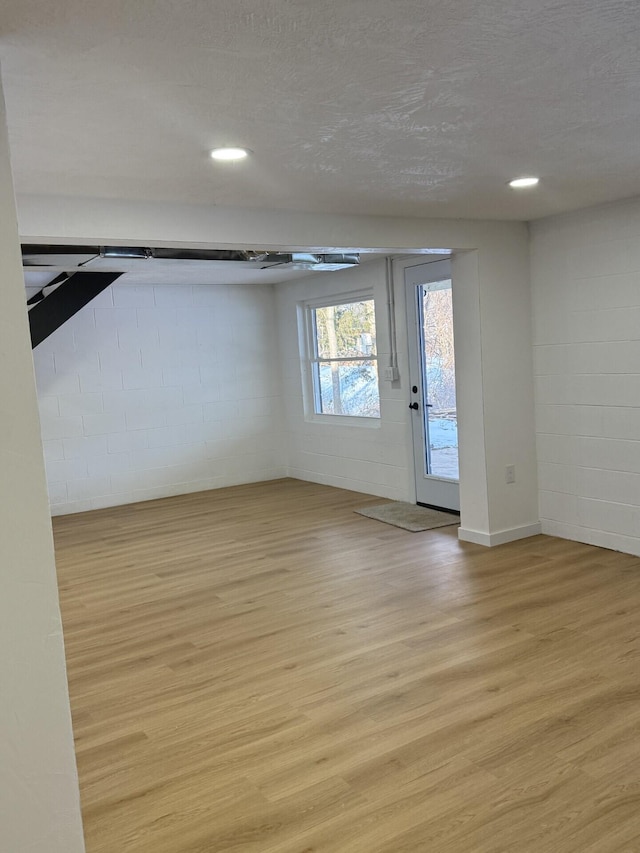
(409, 516)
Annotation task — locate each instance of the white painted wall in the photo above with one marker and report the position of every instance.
(472, 456)
(493, 329)
(372, 458)
(492, 320)
(39, 803)
(586, 308)
(493, 304)
(151, 391)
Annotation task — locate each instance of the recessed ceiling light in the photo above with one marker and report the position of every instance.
(230, 153)
(520, 183)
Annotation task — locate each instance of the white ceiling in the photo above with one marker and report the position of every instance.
(390, 107)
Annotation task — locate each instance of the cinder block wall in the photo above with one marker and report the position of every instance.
(586, 304)
(151, 391)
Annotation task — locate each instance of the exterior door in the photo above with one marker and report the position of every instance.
(432, 384)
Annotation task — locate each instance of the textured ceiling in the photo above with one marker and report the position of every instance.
(390, 107)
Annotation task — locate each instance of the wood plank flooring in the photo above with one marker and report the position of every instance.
(260, 670)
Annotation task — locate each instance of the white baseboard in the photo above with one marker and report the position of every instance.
(590, 536)
(500, 537)
(350, 485)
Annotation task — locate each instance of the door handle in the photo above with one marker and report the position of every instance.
(414, 406)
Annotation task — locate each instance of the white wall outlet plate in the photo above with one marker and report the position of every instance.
(391, 374)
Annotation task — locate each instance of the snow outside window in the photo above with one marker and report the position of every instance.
(343, 358)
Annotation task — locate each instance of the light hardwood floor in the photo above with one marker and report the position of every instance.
(259, 669)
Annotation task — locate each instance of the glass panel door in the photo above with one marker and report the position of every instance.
(432, 400)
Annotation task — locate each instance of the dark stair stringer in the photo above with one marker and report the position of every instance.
(66, 300)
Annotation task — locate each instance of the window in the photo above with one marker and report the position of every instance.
(343, 358)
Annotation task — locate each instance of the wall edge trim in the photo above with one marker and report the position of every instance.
(500, 537)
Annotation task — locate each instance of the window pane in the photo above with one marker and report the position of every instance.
(349, 388)
(345, 331)
(440, 375)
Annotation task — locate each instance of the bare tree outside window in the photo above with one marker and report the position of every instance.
(439, 354)
(344, 361)
(440, 376)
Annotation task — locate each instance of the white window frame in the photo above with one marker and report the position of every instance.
(309, 342)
